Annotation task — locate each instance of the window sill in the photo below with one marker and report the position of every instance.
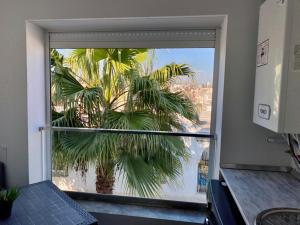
(185, 216)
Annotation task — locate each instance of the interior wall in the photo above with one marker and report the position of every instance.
(242, 141)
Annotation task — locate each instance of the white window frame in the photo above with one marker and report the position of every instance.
(219, 23)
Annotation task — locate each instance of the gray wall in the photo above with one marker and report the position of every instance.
(242, 141)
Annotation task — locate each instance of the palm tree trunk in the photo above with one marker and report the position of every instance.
(104, 179)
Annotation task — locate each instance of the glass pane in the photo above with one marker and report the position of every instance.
(132, 89)
(175, 82)
(149, 166)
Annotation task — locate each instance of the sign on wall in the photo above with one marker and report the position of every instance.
(262, 53)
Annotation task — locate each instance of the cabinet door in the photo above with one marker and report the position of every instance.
(269, 83)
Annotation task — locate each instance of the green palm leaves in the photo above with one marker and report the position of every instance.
(117, 89)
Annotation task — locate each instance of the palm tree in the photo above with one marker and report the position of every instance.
(118, 89)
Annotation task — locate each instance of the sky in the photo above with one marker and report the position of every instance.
(200, 59)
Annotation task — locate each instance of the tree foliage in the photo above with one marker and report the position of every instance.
(117, 89)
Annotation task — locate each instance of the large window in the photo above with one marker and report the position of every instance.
(132, 121)
(132, 89)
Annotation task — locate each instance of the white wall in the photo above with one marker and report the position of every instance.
(242, 141)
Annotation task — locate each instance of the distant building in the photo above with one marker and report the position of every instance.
(201, 96)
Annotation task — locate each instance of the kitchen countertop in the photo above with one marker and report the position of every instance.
(255, 191)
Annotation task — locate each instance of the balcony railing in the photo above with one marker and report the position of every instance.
(194, 175)
(123, 131)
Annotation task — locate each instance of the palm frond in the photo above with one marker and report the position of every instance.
(139, 176)
(145, 175)
(136, 144)
(65, 82)
(70, 118)
(136, 120)
(179, 104)
(85, 62)
(147, 94)
(170, 71)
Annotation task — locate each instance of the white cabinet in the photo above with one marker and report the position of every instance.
(277, 83)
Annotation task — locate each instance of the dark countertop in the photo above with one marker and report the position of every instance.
(255, 191)
(44, 204)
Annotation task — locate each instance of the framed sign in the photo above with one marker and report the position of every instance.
(262, 53)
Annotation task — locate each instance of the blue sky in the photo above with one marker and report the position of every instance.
(200, 59)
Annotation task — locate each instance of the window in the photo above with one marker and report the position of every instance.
(132, 121)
